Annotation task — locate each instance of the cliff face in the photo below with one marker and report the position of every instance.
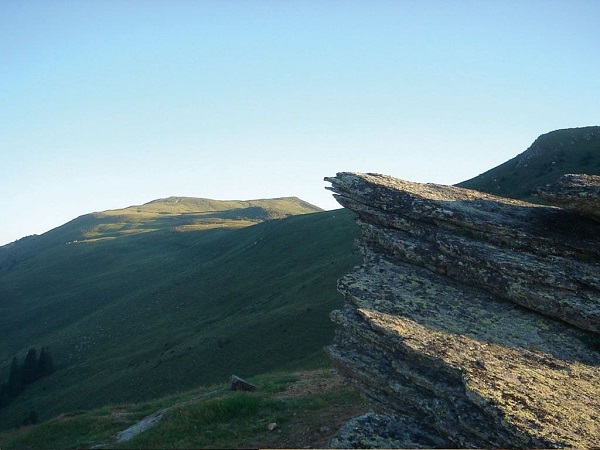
(474, 319)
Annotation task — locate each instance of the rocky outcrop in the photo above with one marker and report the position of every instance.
(238, 384)
(475, 318)
(577, 192)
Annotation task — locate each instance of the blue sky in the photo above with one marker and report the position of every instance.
(106, 103)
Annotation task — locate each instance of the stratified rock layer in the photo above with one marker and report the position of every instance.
(474, 316)
(577, 192)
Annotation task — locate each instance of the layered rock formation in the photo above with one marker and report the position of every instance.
(577, 192)
(474, 319)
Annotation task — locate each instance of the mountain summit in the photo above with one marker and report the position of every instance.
(167, 215)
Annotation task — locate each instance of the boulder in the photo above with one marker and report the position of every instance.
(238, 384)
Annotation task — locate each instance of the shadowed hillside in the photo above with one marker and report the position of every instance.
(136, 315)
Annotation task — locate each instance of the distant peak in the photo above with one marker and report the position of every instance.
(558, 152)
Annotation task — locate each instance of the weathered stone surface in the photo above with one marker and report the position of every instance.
(577, 192)
(539, 257)
(386, 431)
(238, 384)
(472, 315)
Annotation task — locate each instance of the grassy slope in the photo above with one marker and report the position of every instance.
(574, 150)
(173, 213)
(308, 408)
(147, 314)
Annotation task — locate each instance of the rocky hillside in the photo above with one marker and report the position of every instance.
(559, 152)
(474, 319)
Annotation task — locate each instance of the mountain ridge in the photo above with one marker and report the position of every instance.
(179, 205)
(101, 278)
(558, 152)
(169, 214)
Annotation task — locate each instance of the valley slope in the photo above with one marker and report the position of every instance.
(155, 299)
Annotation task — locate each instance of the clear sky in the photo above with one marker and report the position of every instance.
(111, 103)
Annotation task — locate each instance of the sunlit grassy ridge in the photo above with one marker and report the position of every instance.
(169, 214)
(187, 214)
(147, 314)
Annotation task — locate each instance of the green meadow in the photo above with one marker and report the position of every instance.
(157, 309)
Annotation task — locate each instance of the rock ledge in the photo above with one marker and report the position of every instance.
(474, 317)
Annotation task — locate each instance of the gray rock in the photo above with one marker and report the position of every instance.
(143, 425)
(578, 192)
(237, 384)
(386, 431)
(474, 318)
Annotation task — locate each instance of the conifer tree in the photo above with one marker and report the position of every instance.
(15, 379)
(30, 366)
(31, 419)
(20, 376)
(45, 364)
(4, 394)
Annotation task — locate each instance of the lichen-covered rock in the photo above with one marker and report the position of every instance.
(386, 431)
(473, 316)
(577, 192)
